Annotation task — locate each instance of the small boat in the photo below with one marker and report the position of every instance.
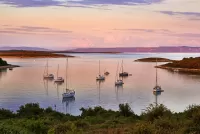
(118, 81)
(123, 74)
(157, 88)
(100, 77)
(10, 68)
(59, 79)
(106, 73)
(46, 74)
(69, 93)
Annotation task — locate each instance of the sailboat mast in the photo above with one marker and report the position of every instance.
(99, 67)
(117, 72)
(156, 73)
(57, 70)
(122, 67)
(66, 71)
(47, 67)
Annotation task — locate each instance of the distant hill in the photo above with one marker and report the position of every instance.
(24, 48)
(165, 49)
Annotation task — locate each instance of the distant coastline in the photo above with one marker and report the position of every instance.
(30, 54)
(153, 59)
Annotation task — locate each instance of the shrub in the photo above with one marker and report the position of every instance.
(30, 109)
(5, 114)
(154, 112)
(125, 110)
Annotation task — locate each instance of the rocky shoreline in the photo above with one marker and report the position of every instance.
(8, 66)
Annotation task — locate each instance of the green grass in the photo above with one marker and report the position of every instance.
(31, 119)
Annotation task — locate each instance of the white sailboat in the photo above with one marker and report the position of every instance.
(118, 81)
(157, 88)
(100, 77)
(58, 79)
(69, 93)
(46, 74)
(123, 74)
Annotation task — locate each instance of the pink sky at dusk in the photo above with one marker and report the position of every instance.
(66, 24)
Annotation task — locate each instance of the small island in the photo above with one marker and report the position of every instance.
(154, 59)
(186, 65)
(30, 54)
(4, 64)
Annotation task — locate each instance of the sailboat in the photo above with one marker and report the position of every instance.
(157, 88)
(69, 93)
(100, 77)
(46, 74)
(59, 79)
(118, 81)
(123, 74)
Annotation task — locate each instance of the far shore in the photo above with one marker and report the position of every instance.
(31, 54)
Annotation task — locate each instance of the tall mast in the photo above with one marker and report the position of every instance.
(99, 67)
(156, 74)
(57, 70)
(117, 72)
(66, 71)
(122, 67)
(47, 67)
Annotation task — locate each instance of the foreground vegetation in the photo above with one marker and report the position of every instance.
(31, 119)
(2, 62)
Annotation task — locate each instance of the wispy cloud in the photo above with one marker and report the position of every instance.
(81, 3)
(146, 30)
(31, 3)
(115, 2)
(33, 30)
(189, 15)
(165, 32)
(197, 14)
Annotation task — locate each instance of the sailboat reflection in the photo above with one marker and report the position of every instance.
(46, 84)
(3, 72)
(68, 102)
(156, 94)
(117, 90)
(99, 82)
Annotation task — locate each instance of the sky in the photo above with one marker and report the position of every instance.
(63, 24)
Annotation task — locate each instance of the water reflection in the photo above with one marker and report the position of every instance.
(67, 102)
(99, 82)
(118, 92)
(157, 94)
(3, 72)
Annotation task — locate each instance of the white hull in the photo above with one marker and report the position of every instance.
(68, 94)
(60, 79)
(48, 76)
(119, 83)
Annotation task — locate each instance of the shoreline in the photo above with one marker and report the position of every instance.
(8, 66)
(182, 70)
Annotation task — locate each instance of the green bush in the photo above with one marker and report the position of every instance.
(29, 110)
(2, 62)
(6, 114)
(154, 112)
(125, 110)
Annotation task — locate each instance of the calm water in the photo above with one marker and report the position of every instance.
(25, 84)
